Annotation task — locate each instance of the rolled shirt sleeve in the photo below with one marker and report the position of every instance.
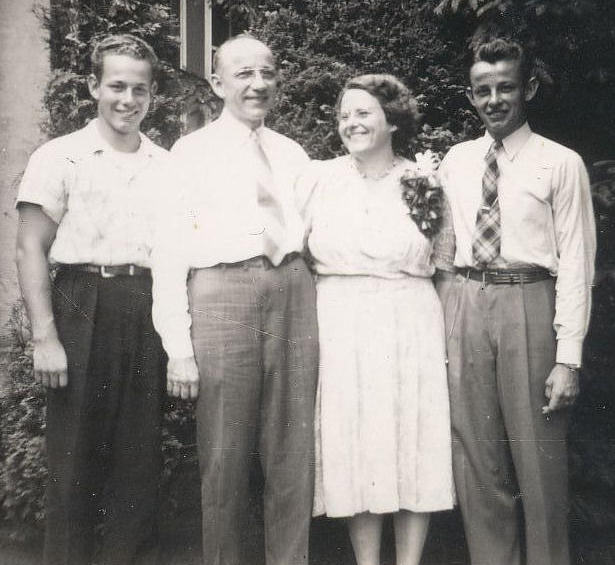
(44, 181)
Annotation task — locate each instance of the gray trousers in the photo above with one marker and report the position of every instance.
(255, 339)
(509, 460)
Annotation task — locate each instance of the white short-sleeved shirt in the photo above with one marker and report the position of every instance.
(104, 201)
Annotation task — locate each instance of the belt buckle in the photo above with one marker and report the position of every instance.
(104, 273)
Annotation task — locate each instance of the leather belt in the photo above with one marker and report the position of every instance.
(109, 271)
(505, 276)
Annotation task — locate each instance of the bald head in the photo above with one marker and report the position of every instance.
(245, 78)
(239, 44)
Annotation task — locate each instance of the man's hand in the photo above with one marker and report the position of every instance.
(50, 367)
(561, 388)
(183, 378)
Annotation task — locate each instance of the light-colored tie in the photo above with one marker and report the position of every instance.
(270, 206)
(486, 238)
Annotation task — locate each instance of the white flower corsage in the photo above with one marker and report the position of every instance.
(422, 193)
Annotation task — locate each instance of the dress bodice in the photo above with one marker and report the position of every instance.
(356, 227)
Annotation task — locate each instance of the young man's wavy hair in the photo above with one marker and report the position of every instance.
(122, 44)
(504, 49)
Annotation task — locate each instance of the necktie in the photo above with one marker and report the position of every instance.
(269, 205)
(486, 239)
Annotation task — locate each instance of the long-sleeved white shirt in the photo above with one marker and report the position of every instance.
(546, 220)
(215, 214)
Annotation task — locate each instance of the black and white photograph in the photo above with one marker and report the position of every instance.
(307, 282)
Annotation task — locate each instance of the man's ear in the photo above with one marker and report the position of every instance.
(93, 86)
(153, 88)
(531, 88)
(470, 95)
(216, 86)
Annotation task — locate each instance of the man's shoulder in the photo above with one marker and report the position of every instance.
(461, 152)
(195, 140)
(284, 141)
(551, 151)
(68, 146)
(158, 152)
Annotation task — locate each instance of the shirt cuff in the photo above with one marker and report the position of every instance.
(569, 351)
(178, 347)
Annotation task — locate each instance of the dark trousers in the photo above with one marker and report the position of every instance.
(103, 430)
(254, 333)
(509, 460)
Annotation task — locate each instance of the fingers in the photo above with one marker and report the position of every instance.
(181, 388)
(51, 379)
(558, 401)
(548, 389)
(183, 378)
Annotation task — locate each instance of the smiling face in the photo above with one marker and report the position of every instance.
(123, 93)
(499, 95)
(362, 124)
(246, 79)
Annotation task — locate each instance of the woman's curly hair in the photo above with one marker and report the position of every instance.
(399, 106)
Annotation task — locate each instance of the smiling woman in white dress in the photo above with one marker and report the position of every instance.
(382, 417)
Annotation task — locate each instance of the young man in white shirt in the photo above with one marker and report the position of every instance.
(516, 311)
(85, 209)
(234, 303)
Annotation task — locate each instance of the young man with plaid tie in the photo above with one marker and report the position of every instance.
(517, 310)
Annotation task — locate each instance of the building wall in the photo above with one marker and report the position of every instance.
(24, 70)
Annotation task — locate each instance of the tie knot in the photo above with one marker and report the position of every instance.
(495, 147)
(255, 136)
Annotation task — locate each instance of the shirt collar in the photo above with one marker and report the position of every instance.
(515, 141)
(95, 142)
(236, 129)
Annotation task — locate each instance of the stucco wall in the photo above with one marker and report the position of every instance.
(24, 69)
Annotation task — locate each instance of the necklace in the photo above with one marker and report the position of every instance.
(378, 176)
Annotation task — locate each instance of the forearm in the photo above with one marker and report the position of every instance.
(33, 272)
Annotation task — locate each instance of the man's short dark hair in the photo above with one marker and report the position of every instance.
(500, 49)
(122, 44)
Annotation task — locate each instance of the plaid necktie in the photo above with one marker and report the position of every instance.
(269, 205)
(486, 239)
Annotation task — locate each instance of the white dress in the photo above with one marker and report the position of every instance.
(382, 417)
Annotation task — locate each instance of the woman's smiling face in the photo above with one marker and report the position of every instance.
(362, 124)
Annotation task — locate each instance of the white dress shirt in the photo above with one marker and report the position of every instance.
(546, 220)
(103, 200)
(216, 214)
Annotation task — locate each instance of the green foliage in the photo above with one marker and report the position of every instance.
(22, 454)
(320, 44)
(576, 46)
(75, 26)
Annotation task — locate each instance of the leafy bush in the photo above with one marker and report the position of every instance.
(22, 448)
(320, 44)
(75, 26)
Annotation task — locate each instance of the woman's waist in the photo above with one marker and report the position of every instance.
(373, 282)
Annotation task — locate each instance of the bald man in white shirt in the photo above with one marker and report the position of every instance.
(517, 310)
(234, 303)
